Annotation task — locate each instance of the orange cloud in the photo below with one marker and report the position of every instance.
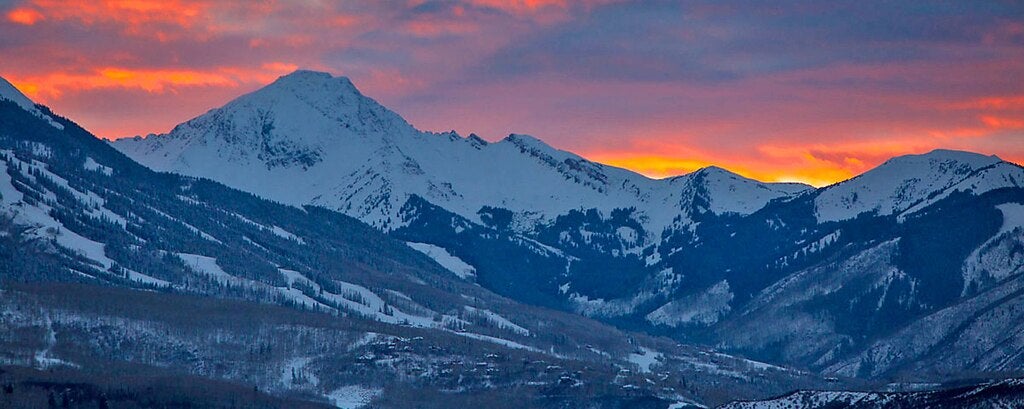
(996, 122)
(160, 19)
(1004, 102)
(53, 85)
(132, 13)
(24, 16)
(520, 6)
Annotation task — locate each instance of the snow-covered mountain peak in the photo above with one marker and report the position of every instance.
(11, 93)
(721, 191)
(901, 183)
(311, 75)
(312, 82)
(311, 138)
(315, 97)
(714, 170)
(291, 123)
(938, 160)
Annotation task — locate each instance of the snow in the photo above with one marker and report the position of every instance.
(986, 179)
(645, 359)
(44, 357)
(900, 183)
(46, 226)
(499, 341)
(702, 308)
(371, 306)
(145, 279)
(294, 373)
(998, 257)
(353, 396)
(207, 266)
(94, 166)
(40, 149)
(599, 307)
(92, 202)
(366, 339)
(297, 296)
(196, 230)
(685, 405)
(816, 399)
(732, 193)
(1013, 217)
(445, 259)
(286, 235)
(10, 93)
(499, 321)
(334, 147)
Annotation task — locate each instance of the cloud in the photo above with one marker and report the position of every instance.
(792, 90)
(726, 40)
(158, 81)
(24, 16)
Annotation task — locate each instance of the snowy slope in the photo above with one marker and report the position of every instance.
(775, 271)
(312, 138)
(354, 307)
(913, 181)
(10, 93)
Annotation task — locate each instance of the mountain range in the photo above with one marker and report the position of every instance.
(117, 281)
(912, 267)
(310, 243)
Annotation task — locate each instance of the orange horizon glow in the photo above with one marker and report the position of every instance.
(799, 165)
(658, 167)
(594, 77)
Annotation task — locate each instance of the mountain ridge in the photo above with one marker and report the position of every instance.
(110, 268)
(403, 149)
(837, 280)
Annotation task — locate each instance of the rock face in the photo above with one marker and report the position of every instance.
(911, 266)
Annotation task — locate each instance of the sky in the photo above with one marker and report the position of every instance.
(809, 91)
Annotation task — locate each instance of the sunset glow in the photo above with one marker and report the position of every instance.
(806, 92)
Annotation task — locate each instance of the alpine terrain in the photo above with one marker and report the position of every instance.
(124, 287)
(910, 272)
(304, 246)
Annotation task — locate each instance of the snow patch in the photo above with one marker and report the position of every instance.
(92, 165)
(286, 234)
(498, 320)
(645, 359)
(445, 259)
(704, 308)
(353, 396)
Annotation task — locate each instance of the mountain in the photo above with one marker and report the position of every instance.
(921, 286)
(912, 182)
(115, 278)
(908, 270)
(309, 138)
